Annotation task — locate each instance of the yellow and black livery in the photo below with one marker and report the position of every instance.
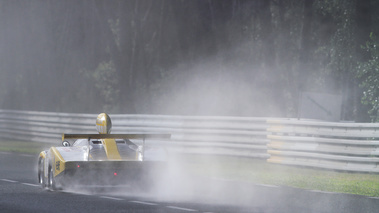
(99, 159)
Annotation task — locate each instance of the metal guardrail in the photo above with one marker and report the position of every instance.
(233, 136)
(339, 146)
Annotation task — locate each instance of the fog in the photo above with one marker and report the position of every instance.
(177, 183)
(216, 88)
(229, 58)
(250, 58)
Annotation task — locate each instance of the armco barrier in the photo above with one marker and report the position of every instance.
(339, 146)
(196, 135)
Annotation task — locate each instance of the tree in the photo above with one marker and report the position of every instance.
(368, 73)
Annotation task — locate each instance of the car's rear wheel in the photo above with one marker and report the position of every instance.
(41, 176)
(51, 179)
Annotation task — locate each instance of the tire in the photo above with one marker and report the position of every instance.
(41, 175)
(51, 181)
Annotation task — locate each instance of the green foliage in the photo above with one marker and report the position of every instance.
(105, 85)
(368, 73)
(340, 17)
(115, 28)
(89, 53)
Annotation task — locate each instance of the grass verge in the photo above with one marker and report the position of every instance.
(23, 146)
(261, 172)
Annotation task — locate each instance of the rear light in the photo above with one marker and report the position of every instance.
(78, 166)
(115, 174)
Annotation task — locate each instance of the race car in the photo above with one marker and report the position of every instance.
(100, 159)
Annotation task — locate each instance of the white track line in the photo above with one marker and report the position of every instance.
(26, 155)
(5, 153)
(266, 185)
(144, 203)
(222, 179)
(257, 184)
(324, 192)
(111, 198)
(10, 181)
(184, 209)
(29, 184)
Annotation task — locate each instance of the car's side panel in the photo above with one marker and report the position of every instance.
(58, 162)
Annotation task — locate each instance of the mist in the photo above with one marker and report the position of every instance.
(215, 88)
(249, 58)
(178, 183)
(229, 58)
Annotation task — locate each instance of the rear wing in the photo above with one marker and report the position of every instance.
(115, 136)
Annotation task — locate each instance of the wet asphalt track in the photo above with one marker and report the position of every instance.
(20, 192)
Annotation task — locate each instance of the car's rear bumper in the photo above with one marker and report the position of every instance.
(109, 172)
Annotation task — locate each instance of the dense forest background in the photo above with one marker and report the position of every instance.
(199, 57)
